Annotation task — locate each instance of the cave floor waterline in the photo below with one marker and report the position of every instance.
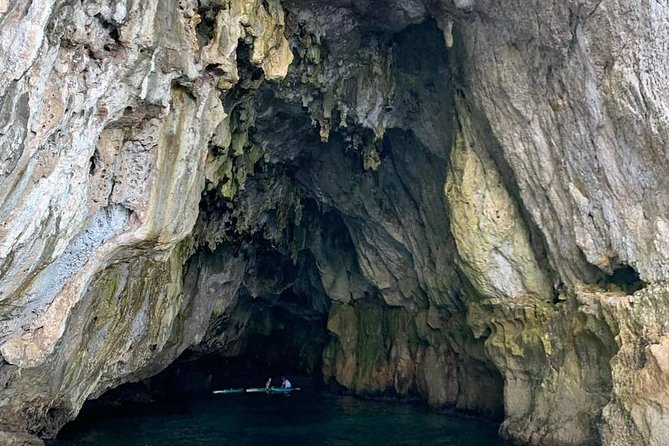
(310, 417)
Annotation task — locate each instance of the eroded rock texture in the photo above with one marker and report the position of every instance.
(464, 201)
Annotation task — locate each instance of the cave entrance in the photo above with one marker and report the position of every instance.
(266, 292)
(273, 341)
(269, 309)
(287, 344)
(282, 339)
(352, 228)
(268, 336)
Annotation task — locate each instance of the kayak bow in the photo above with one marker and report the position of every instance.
(229, 391)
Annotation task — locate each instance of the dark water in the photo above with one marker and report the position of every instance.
(300, 419)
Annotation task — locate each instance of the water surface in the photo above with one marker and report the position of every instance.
(300, 419)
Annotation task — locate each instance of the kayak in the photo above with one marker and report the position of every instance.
(258, 390)
(282, 390)
(272, 390)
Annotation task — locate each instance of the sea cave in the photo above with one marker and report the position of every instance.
(453, 204)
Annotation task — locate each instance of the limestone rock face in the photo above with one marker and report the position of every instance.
(380, 350)
(462, 201)
(20, 440)
(492, 241)
(574, 96)
(637, 412)
(569, 98)
(107, 112)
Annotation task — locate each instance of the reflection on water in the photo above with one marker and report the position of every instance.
(300, 419)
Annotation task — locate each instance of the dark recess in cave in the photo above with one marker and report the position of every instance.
(291, 347)
(625, 278)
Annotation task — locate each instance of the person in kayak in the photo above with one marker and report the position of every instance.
(285, 384)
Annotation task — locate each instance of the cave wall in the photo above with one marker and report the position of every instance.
(107, 113)
(470, 194)
(566, 100)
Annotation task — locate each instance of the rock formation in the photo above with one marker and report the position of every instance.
(460, 200)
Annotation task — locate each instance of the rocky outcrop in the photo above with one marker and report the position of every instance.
(574, 101)
(460, 201)
(390, 351)
(20, 440)
(569, 114)
(107, 109)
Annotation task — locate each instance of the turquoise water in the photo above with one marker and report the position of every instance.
(299, 419)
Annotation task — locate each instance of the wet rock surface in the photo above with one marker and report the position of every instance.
(460, 201)
(15, 439)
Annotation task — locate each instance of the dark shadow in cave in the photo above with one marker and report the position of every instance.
(624, 277)
(279, 342)
(281, 330)
(277, 326)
